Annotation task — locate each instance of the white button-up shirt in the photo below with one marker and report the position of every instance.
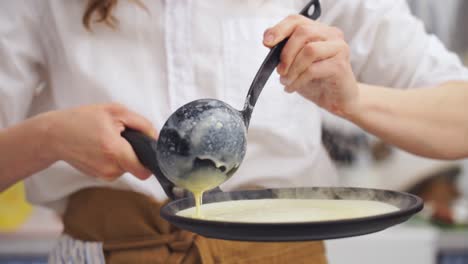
(174, 51)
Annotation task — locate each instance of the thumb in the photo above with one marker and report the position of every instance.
(279, 32)
(138, 122)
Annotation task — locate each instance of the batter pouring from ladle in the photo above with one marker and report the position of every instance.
(70, 87)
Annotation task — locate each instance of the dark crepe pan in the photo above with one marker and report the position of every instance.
(305, 231)
(408, 205)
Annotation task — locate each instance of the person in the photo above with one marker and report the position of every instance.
(69, 88)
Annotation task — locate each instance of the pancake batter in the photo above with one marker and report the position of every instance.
(289, 210)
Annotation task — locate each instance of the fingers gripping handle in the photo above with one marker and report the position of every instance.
(145, 149)
(271, 62)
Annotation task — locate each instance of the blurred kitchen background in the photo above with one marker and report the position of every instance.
(438, 235)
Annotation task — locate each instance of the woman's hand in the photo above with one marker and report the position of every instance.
(88, 138)
(315, 63)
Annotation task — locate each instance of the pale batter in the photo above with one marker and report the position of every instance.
(288, 210)
(199, 181)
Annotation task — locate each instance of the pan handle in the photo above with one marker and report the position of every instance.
(145, 149)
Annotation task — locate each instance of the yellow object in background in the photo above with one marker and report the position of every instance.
(14, 209)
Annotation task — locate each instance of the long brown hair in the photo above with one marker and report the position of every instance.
(101, 11)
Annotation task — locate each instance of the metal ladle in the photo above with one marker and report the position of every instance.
(204, 141)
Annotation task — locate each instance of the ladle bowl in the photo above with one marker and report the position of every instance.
(201, 139)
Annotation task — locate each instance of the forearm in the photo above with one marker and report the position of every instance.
(24, 150)
(431, 122)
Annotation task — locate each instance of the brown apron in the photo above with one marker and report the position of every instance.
(131, 230)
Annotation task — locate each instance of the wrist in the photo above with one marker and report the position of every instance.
(47, 148)
(355, 108)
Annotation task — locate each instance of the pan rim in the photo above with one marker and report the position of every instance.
(416, 206)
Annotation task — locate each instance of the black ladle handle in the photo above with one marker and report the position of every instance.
(145, 149)
(270, 63)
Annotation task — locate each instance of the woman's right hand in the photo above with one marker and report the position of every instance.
(88, 138)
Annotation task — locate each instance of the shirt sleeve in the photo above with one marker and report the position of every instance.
(390, 47)
(20, 60)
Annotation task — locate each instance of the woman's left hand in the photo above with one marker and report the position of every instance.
(315, 63)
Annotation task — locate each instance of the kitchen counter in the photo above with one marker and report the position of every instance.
(406, 243)
(400, 244)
